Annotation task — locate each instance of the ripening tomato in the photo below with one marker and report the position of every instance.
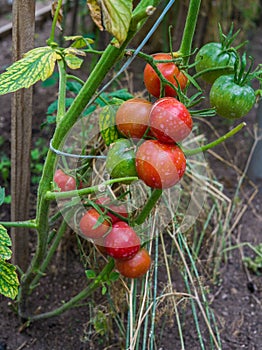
(92, 224)
(169, 70)
(135, 267)
(230, 99)
(118, 208)
(170, 121)
(64, 182)
(122, 242)
(211, 56)
(120, 161)
(160, 165)
(132, 117)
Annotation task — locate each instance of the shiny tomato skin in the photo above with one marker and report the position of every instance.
(231, 101)
(212, 55)
(132, 117)
(64, 182)
(117, 208)
(169, 71)
(160, 165)
(170, 121)
(135, 267)
(88, 225)
(122, 242)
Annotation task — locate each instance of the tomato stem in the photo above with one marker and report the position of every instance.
(191, 152)
(150, 204)
(62, 91)
(26, 223)
(51, 39)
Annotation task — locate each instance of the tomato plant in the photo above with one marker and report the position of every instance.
(120, 160)
(64, 182)
(116, 208)
(135, 267)
(93, 225)
(169, 70)
(230, 99)
(132, 117)
(122, 242)
(160, 165)
(170, 121)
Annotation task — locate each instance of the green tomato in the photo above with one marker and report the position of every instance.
(120, 160)
(212, 55)
(230, 99)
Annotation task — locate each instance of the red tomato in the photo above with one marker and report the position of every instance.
(132, 117)
(122, 242)
(90, 227)
(169, 70)
(160, 165)
(118, 209)
(170, 121)
(64, 182)
(136, 266)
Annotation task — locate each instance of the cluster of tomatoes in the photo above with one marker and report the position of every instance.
(113, 237)
(151, 131)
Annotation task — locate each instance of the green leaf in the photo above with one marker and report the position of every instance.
(113, 276)
(2, 195)
(113, 15)
(73, 86)
(37, 64)
(79, 41)
(90, 274)
(104, 289)
(8, 280)
(107, 124)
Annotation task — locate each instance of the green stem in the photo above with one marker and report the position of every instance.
(77, 298)
(55, 19)
(26, 223)
(189, 30)
(84, 191)
(191, 152)
(61, 109)
(73, 77)
(150, 204)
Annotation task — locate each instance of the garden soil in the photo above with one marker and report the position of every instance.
(235, 298)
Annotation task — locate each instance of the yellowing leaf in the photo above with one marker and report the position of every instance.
(113, 15)
(79, 41)
(37, 64)
(5, 242)
(74, 51)
(73, 61)
(8, 280)
(107, 124)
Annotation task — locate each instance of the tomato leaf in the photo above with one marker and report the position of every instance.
(113, 15)
(79, 41)
(73, 61)
(107, 124)
(8, 280)
(2, 195)
(37, 64)
(90, 274)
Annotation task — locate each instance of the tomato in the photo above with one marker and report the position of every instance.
(135, 267)
(90, 225)
(160, 165)
(122, 242)
(169, 70)
(117, 208)
(213, 55)
(230, 99)
(170, 121)
(132, 117)
(120, 160)
(64, 182)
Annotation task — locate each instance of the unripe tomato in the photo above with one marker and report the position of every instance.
(230, 99)
(213, 55)
(170, 121)
(64, 182)
(90, 225)
(132, 117)
(120, 160)
(169, 70)
(117, 208)
(122, 242)
(135, 267)
(160, 165)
